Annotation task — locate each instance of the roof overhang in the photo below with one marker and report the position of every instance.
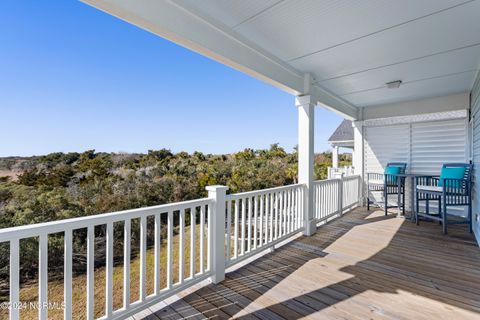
(340, 55)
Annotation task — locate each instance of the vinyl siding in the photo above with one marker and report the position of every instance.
(385, 144)
(438, 142)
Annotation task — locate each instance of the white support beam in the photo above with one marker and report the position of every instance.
(306, 126)
(335, 157)
(188, 28)
(332, 102)
(358, 154)
(178, 24)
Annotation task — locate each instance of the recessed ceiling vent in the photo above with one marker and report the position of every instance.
(394, 84)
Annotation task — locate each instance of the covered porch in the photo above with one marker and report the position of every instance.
(360, 266)
(404, 72)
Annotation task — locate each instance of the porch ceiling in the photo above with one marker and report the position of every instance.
(351, 48)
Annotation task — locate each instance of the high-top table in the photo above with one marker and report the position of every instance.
(412, 177)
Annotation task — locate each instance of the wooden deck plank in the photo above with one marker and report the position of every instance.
(362, 265)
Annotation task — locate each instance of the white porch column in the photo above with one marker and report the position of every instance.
(335, 157)
(357, 157)
(306, 112)
(216, 228)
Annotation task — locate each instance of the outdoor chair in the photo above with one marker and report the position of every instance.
(451, 189)
(388, 183)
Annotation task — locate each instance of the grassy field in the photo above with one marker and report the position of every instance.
(29, 292)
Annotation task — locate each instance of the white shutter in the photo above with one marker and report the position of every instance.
(438, 142)
(386, 144)
(435, 143)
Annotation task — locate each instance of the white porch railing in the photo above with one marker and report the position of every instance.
(335, 173)
(259, 219)
(335, 196)
(224, 230)
(196, 208)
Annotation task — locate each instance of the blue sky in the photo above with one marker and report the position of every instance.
(74, 78)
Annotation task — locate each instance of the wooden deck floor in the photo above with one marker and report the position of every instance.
(361, 266)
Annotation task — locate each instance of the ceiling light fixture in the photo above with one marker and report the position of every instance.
(394, 84)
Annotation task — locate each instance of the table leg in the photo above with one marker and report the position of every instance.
(399, 196)
(412, 210)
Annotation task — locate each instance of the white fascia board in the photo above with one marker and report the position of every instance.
(182, 26)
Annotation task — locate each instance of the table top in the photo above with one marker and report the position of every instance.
(418, 174)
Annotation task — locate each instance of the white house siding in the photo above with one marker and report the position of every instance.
(384, 144)
(475, 113)
(438, 142)
(423, 145)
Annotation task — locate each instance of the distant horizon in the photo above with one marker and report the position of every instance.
(342, 150)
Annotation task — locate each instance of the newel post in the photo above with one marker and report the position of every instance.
(340, 194)
(216, 234)
(306, 113)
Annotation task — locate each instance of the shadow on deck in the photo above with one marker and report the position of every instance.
(362, 265)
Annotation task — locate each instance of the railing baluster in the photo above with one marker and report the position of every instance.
(267, 218)
(143, 257)
(299, 209)
(286, 208)
(181, 244)
(43, 276)
(281, 223)
(319, 201)
(289, 204)
(193, 243)
(90, 271)
(14, 279)
(284, 211)
(296, 208)
(170, 250)
(202, 239)
(249, 247)
(210, 237)
(229, 230)
(67, 273)
(157, 245)
(109, 275)
(261, 220)
(277, 207)
(325, 201)
(235, 243)
(244, 211)
(272, 210)
(126, 263)
(255, 218)
(290, 209)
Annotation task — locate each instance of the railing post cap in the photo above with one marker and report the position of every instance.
(217, 187)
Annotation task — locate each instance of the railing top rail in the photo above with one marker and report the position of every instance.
(352, 177)
(326, 180)
(262, 191)
(337, 179)
(34, 230)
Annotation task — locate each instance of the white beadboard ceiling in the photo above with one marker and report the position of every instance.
(351, 47)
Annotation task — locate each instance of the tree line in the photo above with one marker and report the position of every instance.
(67, 185)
